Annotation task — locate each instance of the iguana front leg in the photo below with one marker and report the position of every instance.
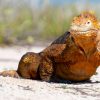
(46, 67)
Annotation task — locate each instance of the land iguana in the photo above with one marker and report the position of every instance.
(74, 56)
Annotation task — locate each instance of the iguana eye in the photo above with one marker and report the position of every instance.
(88, 22)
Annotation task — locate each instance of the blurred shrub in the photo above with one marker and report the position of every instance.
(56, 20)
(26, 25)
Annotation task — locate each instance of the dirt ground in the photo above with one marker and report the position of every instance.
(24, 89)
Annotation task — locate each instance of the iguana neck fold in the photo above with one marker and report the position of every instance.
(86, 42)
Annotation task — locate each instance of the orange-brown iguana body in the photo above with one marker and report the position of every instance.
(74, 56)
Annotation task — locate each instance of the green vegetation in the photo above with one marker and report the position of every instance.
(24, 25)
(57, 20)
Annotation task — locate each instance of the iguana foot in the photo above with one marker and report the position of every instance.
(46, 74)
(10, 73)
(46, 70)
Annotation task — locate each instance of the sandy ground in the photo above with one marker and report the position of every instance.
(23, 89)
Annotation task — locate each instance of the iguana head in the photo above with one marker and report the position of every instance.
(85, 22)
(84, 31)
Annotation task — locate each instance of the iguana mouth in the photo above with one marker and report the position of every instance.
(86, 31)
(82, 29)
